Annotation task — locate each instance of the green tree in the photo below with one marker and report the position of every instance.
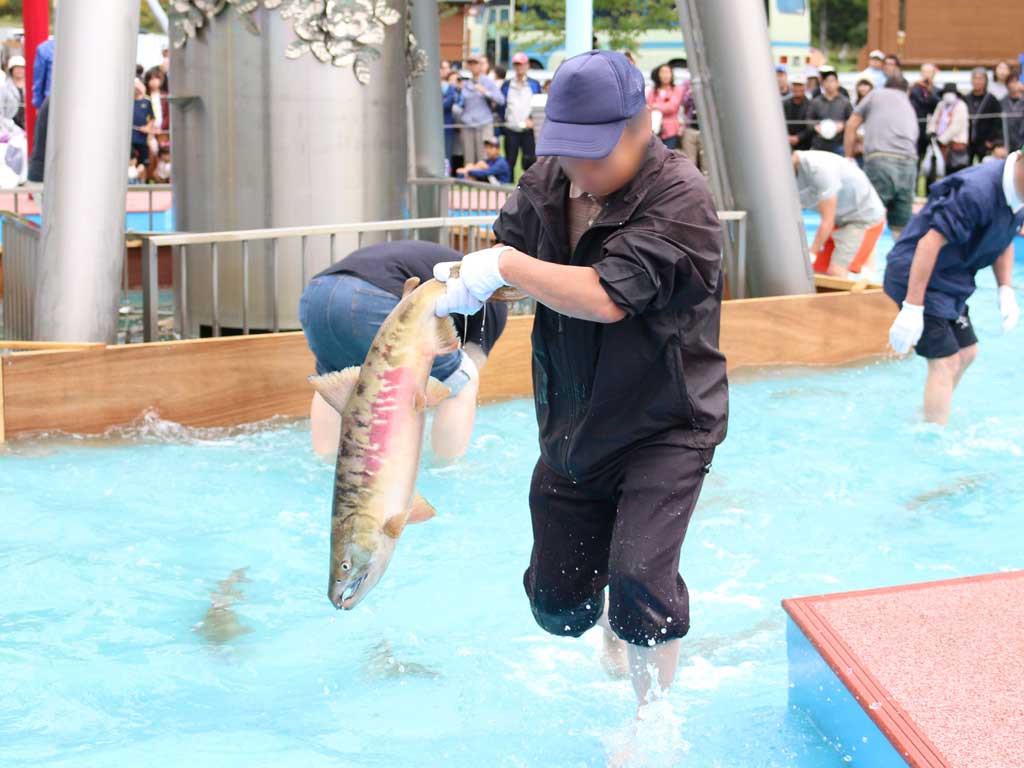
(835, 23)
(147, 20)
(623, 21)
(11, 9)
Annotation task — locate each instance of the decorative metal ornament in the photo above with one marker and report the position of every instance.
(345, 33)
(416, 60)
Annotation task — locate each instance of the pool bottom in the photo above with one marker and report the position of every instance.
(112, 548)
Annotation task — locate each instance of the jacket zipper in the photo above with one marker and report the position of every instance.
(574, 398)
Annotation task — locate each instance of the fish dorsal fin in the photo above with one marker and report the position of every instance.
(410, 286)
(336, 388)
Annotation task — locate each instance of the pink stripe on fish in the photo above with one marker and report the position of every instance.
(395, 395)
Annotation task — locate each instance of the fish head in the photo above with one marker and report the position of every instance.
(356, 569)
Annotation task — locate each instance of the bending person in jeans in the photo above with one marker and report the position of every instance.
(343, 307)
(852, 215)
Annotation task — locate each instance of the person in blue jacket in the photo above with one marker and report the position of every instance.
(968, 224)
(42, 73)
(451, 103)
(493, 168)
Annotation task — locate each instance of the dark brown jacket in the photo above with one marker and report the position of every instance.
(601, 389)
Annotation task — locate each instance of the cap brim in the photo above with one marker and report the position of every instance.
(586, 141)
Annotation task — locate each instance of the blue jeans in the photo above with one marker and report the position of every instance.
(340, 315)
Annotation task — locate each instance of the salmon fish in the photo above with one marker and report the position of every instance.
(220, 625)
(382, 406)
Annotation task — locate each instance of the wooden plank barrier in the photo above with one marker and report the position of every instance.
(239, 379)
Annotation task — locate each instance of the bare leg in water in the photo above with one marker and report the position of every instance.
(650, 668)
(614, 654)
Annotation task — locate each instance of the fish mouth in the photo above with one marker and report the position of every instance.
(342, 595)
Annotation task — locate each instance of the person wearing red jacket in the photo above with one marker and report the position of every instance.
(666, 98)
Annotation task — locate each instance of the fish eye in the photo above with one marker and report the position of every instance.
(346, 565)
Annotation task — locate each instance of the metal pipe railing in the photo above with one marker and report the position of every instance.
(21, 250)
(34, 188)
(464, 233)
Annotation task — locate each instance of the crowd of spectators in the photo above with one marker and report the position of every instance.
(956, 128)
(150, 153)
(150, 160)
(483, 105)
(889, 136)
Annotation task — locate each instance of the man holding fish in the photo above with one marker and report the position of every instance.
(617, 239)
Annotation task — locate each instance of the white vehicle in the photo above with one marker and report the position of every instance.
(789, 27)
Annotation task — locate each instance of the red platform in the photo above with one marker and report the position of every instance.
(938, 667)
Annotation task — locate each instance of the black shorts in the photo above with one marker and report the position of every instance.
(623, 530)
(943, 337)
(140, 153)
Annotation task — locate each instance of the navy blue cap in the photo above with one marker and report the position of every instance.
(592, 98)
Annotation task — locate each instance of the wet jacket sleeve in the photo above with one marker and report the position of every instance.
(510, 228)
(961, 213)
(669, 253)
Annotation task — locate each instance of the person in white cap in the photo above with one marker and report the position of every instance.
(875, 71)
(813, 80)
(12, 94)
(517, 113)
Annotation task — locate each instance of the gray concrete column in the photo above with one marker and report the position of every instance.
(427, 114)
(87, 150)
(730, 60)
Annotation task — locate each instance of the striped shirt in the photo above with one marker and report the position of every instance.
(583, 210)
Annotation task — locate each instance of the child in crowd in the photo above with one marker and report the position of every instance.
(162, 169)
(493, 168)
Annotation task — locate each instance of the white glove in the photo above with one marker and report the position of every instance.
(478, 270)
(907, 328)
(457, 299)
(1008, 308)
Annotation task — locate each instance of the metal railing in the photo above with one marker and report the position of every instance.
(465, 233)
(36, 190)
(462, 197)
(21, 250)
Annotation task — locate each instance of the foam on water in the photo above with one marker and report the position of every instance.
(114, 546)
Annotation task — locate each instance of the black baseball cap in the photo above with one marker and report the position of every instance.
(592, 98)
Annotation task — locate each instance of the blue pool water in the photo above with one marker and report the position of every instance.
(112, 546)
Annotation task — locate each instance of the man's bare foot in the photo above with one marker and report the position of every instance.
(614, 658)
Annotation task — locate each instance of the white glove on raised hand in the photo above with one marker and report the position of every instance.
(457, 300)
(478, 271)
(1008, 308)
(907, 328)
